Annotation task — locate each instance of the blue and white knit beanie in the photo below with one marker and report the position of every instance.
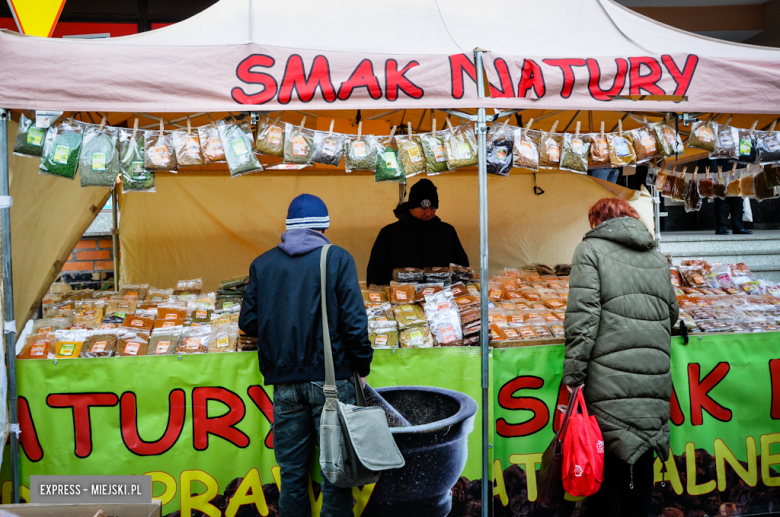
(307, 211)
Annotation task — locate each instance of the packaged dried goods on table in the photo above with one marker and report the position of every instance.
(575, 152)
(38, 346)
(69, 343)
(360, 153)
(727, 146)
(29, 138)
(500, 148)
(550, 149)
(497, 333)
(164, 342)
(132, 344)
(194, 340)
(460, 146)
(401, 293)
(557, 330)
(186, 145)
(238, 144)
(409, 315)
(159, 154)
(298, 143)
(383, 334)
(61, 149)
(99, 343)
(410, 153)
(525, 153)
(270, 136)
(135, 176)
(408, 274)
(416, 337)
(223, 339)
(134, 291)
(433, 149)
(443, 318)
(426, 289)
(211, 144)
(328, 148)
(437, 274)
(703, 135)
(49, 325)
(374, 296)
(388, 166)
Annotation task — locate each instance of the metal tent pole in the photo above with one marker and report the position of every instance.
(484, 334)
(8, 298)
(115, 235)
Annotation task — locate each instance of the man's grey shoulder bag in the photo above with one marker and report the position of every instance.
(355, 441)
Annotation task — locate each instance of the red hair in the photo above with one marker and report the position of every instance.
(610, 208)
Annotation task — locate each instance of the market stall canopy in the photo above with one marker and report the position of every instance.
(265, 55)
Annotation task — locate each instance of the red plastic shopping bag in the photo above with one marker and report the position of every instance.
(583, 452)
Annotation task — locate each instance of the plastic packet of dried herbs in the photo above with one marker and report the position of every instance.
(692, 196)
(575, 153)
(621, 152)
(727, 146)
(238, 144)
(500, 148)
(388, 166)
(135, 177)
(360, 153)
(433, 149)
(644, 144)
(703, 135)
(666, 138)
(525, 152)
(298, 144)
(270, 136)
(211, 144)
(99, 344)
(768, 146)
(460, 147)
(99, 158)
(328, 148)
(746, 146)
(186, 144)
(599, 148)
(61, 149)
(550, 150)
(165, 342)
(411, 154)
(158, 151)
(29, 139)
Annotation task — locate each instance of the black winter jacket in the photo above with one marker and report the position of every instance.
(281, 308)
(412, 242)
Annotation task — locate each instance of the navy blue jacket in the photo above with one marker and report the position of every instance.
(281, 308)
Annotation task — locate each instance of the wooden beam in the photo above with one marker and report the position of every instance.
(749, 17)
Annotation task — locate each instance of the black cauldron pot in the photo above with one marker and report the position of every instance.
(435, 448)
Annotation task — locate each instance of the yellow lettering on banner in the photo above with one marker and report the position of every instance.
(723, 454)
(316, 502)
(168, 481)
(362, 496)
(672, 475)
(276, 472)
(36, 17)
(251, 483)
(200, 502)
(528, 463)
(6, 493)
(24, 493)
(690, 465)
(767, 459)
(500, 488)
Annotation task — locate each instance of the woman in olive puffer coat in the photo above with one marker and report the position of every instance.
(618, 323)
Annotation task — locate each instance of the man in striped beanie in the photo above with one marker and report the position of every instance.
(281, 307)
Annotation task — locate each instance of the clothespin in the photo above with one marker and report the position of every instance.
(577, 130)
(360, 131)
(644, 119)
(527, 127)
(409, 128)
(602, 129)
(330, 131)
(753, 127)
(213, 123)
(728, 120)
(300, 128)
(772, 127)
(554, 127)
(102, 123)
(189, 126)
(695, 172)
(392, 132)
(707, 174)
(433, 126)
(449, 124)
(135, 127)
(620, 127)
(162, 126)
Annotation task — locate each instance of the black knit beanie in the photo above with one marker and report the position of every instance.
(423, 195)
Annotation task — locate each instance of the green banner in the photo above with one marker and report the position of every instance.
(725, 436)
(200, 425)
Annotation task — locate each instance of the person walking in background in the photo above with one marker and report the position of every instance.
(620, 312)
(282, 309)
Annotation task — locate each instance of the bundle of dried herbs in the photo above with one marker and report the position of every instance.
(211, 144)
(61, 150)
(270, 136)
(411, 154)
(666, 138)
(361, 152)
(621, 152)
(460, 146)
(135, 177)
(599, 147)
(388, 166)
(575, 152)
(187, 146)
(238, 145)
(525, 153)
(433, 149)
(99, 159)
(703, 135)
(500, 149)
(768, 146)
(644, 144)
(727, 146)
(99, 345)
(298, 144)
(158, 151)
(550, 149)
(328, 147)
(29, 139)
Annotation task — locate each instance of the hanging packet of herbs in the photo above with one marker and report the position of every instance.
(644, 144)
(411, 154)
(270, 136)
(61, 149)
(599, 148)
(703, 135)
(550, 149)
(768, 146)
(460, 146)
(388, 166)
(525, 152)
(666, 138)
(360, 153)
(29, 139)
(135, 177)
(621, 152)
(298, 144)
(99, 159)
(186, 144)
(692, 196)
(575, 153)
(500, 148)
(238, 144)
(210, 144)
(158, 152)
(433, 149)
(727, 146)
(328, 148)
(746, 146)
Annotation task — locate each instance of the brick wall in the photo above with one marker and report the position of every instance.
(90, 266)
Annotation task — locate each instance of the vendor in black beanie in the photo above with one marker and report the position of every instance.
(418, 239)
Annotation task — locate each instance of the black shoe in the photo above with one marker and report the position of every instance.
(722, 232)
(743, 232)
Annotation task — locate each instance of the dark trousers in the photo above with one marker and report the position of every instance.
(616, 498)
(297, 411)
(735, 204)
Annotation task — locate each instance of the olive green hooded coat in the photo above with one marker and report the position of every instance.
(618, 323)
